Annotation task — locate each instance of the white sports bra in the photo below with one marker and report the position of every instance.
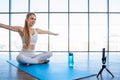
(33, 38)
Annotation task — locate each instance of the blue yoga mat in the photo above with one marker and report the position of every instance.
(52, 71)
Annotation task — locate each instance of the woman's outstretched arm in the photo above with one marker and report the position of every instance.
(13, 28)
(45, 32)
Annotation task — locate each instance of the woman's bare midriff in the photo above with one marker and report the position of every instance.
(31, 47)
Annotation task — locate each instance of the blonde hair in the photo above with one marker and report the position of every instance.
(26, 30)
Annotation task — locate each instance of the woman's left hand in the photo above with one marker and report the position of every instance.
(56, 34)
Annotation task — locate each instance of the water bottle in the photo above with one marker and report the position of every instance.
(70, 59)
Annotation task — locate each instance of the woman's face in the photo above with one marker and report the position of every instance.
(31, 20)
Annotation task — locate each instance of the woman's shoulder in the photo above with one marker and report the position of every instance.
(37, 29)
(21, 29)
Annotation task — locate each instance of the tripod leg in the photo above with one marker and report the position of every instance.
(109, 72)
(100, 72)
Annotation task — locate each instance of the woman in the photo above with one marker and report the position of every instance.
(29, 38)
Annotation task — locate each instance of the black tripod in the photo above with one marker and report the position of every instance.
(104, 66)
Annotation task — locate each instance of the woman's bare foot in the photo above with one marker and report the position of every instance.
(43, 61)
(26, 64)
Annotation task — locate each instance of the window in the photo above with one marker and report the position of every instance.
(19, 5)
(82, 25)
(114, 32)
(59, 24)
(98, 32)
(78, 32)
(4, 41)
(78, 5)
(4, 5)
(39, 6)
(58, 5)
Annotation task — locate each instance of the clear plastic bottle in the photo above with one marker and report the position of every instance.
(70, 59)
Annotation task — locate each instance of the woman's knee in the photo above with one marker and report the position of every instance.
(50, 54)
(20, 58)
(24, 59)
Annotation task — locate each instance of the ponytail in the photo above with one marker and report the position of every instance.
(26, 34)
(26, 30)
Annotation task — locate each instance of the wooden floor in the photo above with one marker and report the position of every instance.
(88, 62)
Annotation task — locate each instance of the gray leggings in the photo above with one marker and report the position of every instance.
(31, 57)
